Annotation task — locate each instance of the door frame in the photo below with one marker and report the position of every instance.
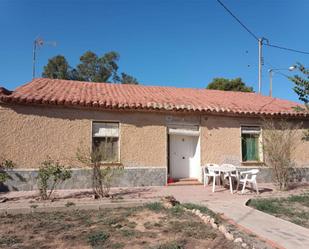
(199, 177)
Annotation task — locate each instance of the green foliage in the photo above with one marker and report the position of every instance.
(177, 210)
(50, 174)
(57, 68)
(301, 88)
(229, 85)
(271, 205)
(128, 79)
(97, 238)
(154, 206)
(5, 165)
(92, 68)
(293, 208)
(301, 83)
(98, 69)
(9, 241)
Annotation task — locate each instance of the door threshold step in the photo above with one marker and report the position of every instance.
(186, 180)
(184, 183)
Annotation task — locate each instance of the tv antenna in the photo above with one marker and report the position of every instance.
(38, 43)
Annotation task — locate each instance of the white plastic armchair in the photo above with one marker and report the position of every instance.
(249, 177)
(211, 170)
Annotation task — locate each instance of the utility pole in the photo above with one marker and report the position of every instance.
(270, 82)
(261, 61)
(260, 41)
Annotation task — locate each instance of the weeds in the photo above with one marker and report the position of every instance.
(97, 238)
(154, 206)
(293, 208)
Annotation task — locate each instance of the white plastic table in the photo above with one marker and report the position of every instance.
(228, 170)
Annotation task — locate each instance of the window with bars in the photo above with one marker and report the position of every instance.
(251, 144)
(105, 138)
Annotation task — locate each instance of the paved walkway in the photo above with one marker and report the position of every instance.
(283, 233)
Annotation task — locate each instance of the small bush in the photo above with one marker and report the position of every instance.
(177, 210)
(102, 174)
(9, 240)
(97, 238)
(50, 174)
(154, 206)
(280, 140)
(5, 164)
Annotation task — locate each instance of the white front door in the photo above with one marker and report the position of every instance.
(184, 156)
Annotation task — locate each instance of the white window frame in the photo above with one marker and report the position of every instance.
(119, 136)
(260, 148)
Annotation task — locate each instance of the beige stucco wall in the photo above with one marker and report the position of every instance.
(221, 140)
(29, 134)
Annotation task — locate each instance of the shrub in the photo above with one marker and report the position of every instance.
(103, 173)
(279, 143)
(154, 206)
(50, 174)
(97, 238)
(5, 164)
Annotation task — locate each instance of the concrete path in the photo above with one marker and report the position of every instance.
(283, 233)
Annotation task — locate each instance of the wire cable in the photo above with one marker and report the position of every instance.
(240, 22)
(255, 36)
(288, 49)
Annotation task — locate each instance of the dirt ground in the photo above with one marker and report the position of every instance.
(149, 227)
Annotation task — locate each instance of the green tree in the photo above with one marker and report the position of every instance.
(128, 79)
(302, 84)
(229, 85)
(57, 68)
(98, 69)
(302, 89)
(91, 68)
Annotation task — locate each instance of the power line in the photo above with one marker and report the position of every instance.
(288, 49)
(255, 36)
(240, 22)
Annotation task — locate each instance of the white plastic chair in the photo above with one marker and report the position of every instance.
(233, 174)
(249, 177)
(211, 170)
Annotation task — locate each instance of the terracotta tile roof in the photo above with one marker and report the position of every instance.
(118, 96)
(4, 91)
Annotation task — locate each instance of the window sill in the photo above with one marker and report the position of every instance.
(252, 163)
(111, 164)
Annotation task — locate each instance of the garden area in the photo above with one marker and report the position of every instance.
(151, 226)
(294, 208)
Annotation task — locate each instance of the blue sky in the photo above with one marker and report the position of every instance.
(184, 43)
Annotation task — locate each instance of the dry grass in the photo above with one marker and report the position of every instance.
(149, 227)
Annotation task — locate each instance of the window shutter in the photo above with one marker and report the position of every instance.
(105, 130)
(250, 130)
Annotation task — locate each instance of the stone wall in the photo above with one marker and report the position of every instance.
(26, 179)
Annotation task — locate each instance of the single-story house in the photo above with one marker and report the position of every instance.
(154, 132)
